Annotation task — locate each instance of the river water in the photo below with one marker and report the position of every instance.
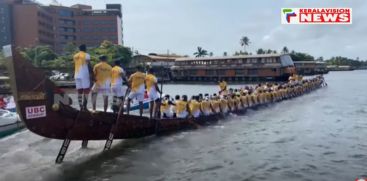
(319, 136)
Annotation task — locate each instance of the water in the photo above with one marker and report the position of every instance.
(319, 136)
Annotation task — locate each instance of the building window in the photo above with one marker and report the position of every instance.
(66, 13)
(239, 72)
(252, 71)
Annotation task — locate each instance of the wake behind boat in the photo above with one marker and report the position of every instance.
(38, 104)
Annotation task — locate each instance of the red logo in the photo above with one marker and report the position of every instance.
(35, 112)
(316, 16)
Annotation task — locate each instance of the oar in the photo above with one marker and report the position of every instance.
(114, 126)
(160, 99)
(66, 142)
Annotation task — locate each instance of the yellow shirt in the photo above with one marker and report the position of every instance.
(102, 73)
(180, 106)
(150, 81)
(244, 100)
(81, 70)
(194, 106)
(215, 104)
(164, 106)
(223, 104)
(237, 102)
(231, 103)
(116, 73)
(205, 105)
(137, 80)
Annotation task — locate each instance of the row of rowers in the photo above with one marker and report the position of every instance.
(233, 100)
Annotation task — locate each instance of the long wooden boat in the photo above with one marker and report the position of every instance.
(38, 106)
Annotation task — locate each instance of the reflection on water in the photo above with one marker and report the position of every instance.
(320, 136)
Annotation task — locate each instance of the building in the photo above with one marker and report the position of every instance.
(31, 24)
(5, 22)
(340, 68)
(160, 63)
(155, 60)
(236, 68)
(310, 67)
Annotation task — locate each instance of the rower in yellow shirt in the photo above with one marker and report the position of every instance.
(194, 106)
(137, 86)
(167, 107)
(205, 107)
(181, 107)
(151, 83)
(102, 85)
(215, 103)
(224, 105)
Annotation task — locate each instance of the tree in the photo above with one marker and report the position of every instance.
(38, 55)
(285, 50)
(225, 54)
(201, 52)
(269, 51)
(298, 56)
(211, 54)
(70, 49)
(2, 60)
(320, 59)
(245, 41)
(112, 51)
(260, 51)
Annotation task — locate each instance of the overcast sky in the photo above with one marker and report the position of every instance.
(217, 25)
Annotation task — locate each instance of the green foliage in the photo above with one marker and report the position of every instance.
(201, 52)
(39, 55)
(244, 41)
(260, 51)
(298, 56)
(285, 50)
(113, 52)
(2, 60)
(44, 57)
(70, 49)
(346, 61)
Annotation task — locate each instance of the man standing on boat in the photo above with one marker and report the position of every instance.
(82, 75)
(152, 89)
(118, 77)
(137, 86)
(102, 74)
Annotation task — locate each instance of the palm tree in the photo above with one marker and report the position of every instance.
(201, 52)
(285, 50)
(244, 41)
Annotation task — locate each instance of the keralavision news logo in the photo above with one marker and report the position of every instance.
(316, 15)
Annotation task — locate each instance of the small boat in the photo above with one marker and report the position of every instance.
(135, 105)
(9, 123)
(35, 98)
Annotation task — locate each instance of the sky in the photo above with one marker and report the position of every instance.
(180, 26)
